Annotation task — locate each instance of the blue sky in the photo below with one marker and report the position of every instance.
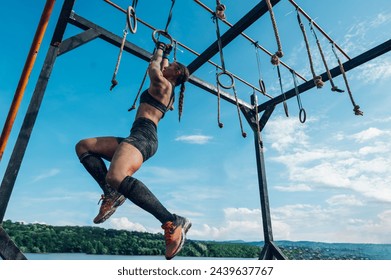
(329, 179)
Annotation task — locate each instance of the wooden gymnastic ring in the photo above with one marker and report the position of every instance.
(164, 34)
(132, 24)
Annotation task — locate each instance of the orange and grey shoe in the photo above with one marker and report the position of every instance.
(175, 235)
(110, 203)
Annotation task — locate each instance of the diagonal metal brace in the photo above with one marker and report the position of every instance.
(8, 249)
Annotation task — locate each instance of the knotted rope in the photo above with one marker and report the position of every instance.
(333, 86)
(279, 54)
(220, 9)
(356, 108)
(317, 79)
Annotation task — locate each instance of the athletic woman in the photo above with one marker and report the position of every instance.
(128, 154)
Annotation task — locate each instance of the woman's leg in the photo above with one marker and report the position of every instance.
(91, 151)
(126, 161)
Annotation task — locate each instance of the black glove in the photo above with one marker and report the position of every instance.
(168, 50)
(161, 46)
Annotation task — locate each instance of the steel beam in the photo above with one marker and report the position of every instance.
(236, 30)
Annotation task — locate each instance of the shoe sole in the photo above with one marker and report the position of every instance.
(117, 204)
(185, 228)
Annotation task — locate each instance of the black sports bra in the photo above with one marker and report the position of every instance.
(146, 97)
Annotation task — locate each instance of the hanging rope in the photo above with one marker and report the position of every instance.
(333, 86)
(225, 73)
(169, 16)
(279, 54)
(260, 80)
(139, 91)
(218, 100)
(175, 49)
(317, 79)
(114, 81)
(302, 113)
(244, 134)
(220, 10)
(356, 108)
(257, 118)
(132, 26)
(282, 91)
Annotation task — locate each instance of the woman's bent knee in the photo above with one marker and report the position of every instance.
(82, 147)
(114, 179)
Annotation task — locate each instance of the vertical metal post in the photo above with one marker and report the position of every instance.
(39, 34)
(264, 197)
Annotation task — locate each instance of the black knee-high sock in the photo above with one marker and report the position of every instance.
(140, 195)
(98, 170)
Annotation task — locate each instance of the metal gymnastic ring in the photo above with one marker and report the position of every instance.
(302, 115)
(163, 33)
(232, 84)
(132, 24)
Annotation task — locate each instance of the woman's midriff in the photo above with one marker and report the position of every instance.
(147, 111)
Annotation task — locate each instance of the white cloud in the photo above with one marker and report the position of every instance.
(124, 223)
(301, 222)
(294, 188)
(239, 224)
(46, 174)
(368, 134)
(374, 71)
(283, 133)
(350, 200)
(194, 139)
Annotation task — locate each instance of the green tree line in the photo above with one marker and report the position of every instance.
(42, 238)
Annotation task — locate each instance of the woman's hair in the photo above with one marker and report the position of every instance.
(181, 80)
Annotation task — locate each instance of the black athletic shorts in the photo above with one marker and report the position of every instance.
(143, 136)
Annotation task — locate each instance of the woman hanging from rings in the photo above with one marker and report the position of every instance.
(128, 154)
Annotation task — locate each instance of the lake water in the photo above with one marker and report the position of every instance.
(72, 256)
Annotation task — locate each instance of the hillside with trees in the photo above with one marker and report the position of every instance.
(42, 238)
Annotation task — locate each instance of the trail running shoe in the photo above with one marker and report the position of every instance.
(175, 235)
(110, 203)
